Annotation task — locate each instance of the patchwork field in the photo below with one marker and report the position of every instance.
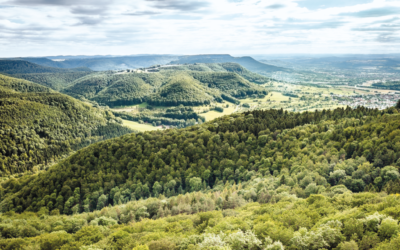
(139, 127)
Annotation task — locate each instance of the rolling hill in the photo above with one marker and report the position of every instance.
(182, 89)
(247, 62)
(134, 62)
(267, 179)
(56, 81)
(220, 67)
(25, 67)
(115, 89)
(230, 148)
(39, 125)
(106, 63)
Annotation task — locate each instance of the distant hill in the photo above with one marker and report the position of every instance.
(25, 67)
(134, 62)
(106, 63)
(56, 81)
(38, 125)
(247, 62)
(221, 67)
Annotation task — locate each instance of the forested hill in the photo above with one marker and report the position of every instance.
(246, 61)
(357, 149)
(39, 125)
(56, 81)
(220, 67)
(24, 67)
(132, 88)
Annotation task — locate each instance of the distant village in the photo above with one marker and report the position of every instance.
(376, 101)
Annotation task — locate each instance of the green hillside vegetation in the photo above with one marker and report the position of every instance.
(258, 180)
(356, 148)
(116, 89)
(24, 67)
(56, 81)
(229, 83)
(246, 61)
(221, 67)
(156, 88)
(182, 89)
(336, 219)
(39, 125)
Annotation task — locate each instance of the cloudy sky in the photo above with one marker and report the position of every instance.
(76, 27)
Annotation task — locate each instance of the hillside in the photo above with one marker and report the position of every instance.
(221, 67)
(39, 125)
(229, 83)
(182, 89)
(132, 88)
(258, 180)
(232, 148)
(24, 67)
(247, 62)
(116, 89)
(56, 81)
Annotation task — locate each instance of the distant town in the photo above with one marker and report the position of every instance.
(376, 101)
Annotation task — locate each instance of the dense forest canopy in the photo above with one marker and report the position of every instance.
(132, 88)
(258, 180)
(39, 125)
(56, 81)
(232, 148)
(220, 67)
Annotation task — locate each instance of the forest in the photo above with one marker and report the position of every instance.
(24, 67)
(72, 177)
(162, 88)
(39, 125)
(267, 179)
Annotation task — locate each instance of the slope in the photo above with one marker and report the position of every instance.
(229, 83)
(354, 149)
(39, 125)
(24, 67)
(247, 62)
(220, 67)
(115, 89)
(182, 89)
(56, 81)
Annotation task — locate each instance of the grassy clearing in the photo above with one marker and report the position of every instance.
(214, 114)
(139, 127)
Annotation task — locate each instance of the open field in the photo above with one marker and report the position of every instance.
(215, 114)
(139, 127)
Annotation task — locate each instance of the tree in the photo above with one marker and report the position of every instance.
(102, 202)
(195, 184)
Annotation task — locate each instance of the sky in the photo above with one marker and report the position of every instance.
(237, 27)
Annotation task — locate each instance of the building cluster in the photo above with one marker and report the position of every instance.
(378, 101)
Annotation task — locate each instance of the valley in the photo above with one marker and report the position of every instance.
(195, 152)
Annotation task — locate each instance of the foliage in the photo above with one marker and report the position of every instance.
(24, 67)
(56, 81)
(39, 125)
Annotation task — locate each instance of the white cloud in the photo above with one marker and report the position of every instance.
(54, 27)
